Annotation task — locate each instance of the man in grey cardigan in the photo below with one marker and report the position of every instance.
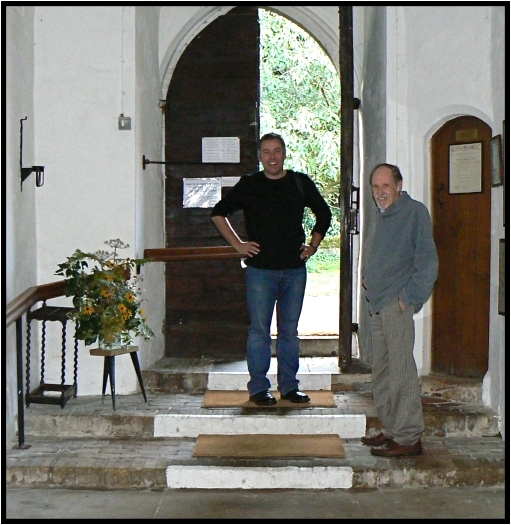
(400, 271)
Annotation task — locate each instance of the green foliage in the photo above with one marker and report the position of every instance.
(105, 296)
(300, 99)
(324, 261)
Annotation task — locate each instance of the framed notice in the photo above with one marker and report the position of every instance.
(466, 168)
(502, 277)
(496, 161)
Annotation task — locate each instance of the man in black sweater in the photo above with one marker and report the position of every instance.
(273, 201)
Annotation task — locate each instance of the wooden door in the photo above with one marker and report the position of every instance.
(214, 92)
(462, 229)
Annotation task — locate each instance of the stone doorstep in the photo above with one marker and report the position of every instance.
(159, 463)
(238, 380)
(181, 375)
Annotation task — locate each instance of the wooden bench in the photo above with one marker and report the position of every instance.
(109, 368)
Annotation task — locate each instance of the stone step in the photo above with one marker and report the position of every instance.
(86, 416)
(157, 463)
(175, 425)
(88, 445)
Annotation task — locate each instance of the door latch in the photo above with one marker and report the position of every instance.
(354, 208)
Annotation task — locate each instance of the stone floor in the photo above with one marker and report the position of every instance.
(483, 504)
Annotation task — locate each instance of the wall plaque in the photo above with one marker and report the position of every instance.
(463, 135)
(466, 168)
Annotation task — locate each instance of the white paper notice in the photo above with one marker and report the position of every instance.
(201, 193)
(221, 149)
(465, 168)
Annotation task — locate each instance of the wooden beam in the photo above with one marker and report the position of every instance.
(191, 253)
(347, 107)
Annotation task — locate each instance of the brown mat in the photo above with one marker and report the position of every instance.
(269, 446)
(240, 398)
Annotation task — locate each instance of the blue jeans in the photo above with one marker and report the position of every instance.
(264, 289)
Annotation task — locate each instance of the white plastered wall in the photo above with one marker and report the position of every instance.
(93, 63)
(443, 62)
(19, 249)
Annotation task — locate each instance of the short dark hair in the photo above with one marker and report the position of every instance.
(396, 173)
(270, 136)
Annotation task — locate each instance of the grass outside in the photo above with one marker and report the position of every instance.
(320, 312)
(323, 274)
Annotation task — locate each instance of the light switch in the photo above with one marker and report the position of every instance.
(124, 122)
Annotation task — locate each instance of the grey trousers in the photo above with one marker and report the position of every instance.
(395, 382)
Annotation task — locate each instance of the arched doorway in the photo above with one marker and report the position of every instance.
(461, 213)
(211, 94)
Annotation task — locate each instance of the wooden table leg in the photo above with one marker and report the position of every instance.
(134, 359)
(111, 371)
(105, 379)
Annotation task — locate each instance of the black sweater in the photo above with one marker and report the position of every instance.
(274, 215)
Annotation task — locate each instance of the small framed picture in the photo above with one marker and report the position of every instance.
(502, 277)
(496, 161)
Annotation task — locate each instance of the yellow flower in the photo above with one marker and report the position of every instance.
(142, 312)
(122, 308)
(126, 315)
(109, 277)
(88, 310)
(130, 297)
(105, 292)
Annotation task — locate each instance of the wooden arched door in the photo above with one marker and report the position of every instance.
(214, 92)
(461, 213)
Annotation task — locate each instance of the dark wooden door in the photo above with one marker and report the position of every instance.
(214, 92)
(462, 229)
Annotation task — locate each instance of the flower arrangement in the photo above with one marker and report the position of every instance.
(105, 296)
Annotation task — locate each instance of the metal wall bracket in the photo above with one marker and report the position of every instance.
(145, 162)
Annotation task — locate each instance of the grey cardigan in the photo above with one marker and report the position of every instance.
(402, 260)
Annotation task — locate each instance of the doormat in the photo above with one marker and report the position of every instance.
(240, 398)
(269, 446)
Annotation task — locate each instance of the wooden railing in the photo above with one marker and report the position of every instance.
(14, 313)
(192, 254)
(22, 304)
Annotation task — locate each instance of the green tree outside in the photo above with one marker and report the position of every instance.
(300, 99)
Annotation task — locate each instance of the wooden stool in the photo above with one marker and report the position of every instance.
(109, 368)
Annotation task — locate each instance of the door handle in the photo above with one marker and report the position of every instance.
(440, 203)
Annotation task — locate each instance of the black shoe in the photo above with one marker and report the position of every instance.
(295, 396)
(263, 398)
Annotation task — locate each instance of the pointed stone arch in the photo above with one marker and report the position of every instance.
(307, 18)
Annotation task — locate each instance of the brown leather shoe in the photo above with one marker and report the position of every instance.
(375, 441)
(392, 449)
